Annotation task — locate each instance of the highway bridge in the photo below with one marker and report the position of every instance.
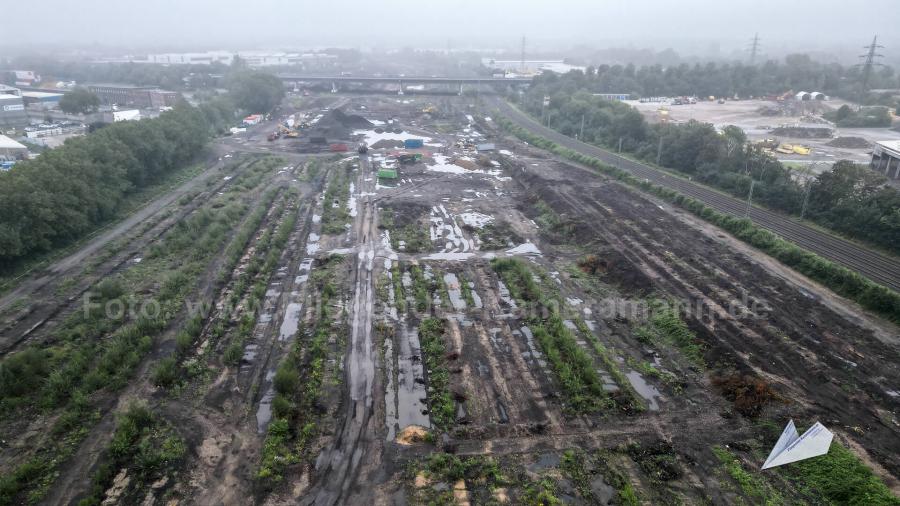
(878, 267)
(404, 81)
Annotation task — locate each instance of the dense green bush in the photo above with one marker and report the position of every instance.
(66, 192)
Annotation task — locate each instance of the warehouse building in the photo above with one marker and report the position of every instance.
(12, 107)
(134, 96)
(886, 159)
(41, 100)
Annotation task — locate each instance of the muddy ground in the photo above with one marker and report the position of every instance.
(421, 371)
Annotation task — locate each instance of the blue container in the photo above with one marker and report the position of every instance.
(412, 143)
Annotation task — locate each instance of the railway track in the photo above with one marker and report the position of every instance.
(879, 268)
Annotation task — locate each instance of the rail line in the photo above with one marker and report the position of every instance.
(871, 264)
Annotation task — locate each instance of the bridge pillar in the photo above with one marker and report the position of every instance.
(334, 88)
(460, 89)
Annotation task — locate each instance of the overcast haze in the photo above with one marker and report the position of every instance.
(692, 26)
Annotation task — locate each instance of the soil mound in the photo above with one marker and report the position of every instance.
(849, 143)
(411, 435)
(802, 132)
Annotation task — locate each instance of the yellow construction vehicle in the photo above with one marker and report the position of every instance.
(787, 149)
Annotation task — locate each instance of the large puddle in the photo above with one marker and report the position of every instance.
(644, 389)
(406, 401)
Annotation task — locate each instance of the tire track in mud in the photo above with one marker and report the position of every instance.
(340, 464)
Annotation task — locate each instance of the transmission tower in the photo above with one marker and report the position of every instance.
(868, 64)
(754, 48)
(522, 69)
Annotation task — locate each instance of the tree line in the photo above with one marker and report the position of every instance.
(850, 199)
(797, 72)
(66, 192)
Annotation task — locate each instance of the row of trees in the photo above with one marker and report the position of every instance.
(66, 192)
(851, 199)
(797, 72)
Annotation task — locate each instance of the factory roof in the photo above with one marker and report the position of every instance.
(40, 94)
(891, 146)
(7, 143)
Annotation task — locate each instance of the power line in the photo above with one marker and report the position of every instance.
(754, 48)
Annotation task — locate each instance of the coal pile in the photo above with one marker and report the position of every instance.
(338, 125)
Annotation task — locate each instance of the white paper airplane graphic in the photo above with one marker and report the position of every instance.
(792, 447)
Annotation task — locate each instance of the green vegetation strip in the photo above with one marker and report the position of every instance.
(335, 214)
(441, 407)
(667, 326)
(841, 280)
(840, 478)
(572, 366)
(298, 383)
(146, 446)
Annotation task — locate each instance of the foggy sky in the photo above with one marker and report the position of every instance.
(696, 26)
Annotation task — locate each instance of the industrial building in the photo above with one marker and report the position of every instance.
(528, 67)
(886, 158)
(12, 107)
(251, 58)
(41, 100)
(134, 96)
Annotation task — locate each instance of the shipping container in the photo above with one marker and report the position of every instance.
(413, 143)
(338, 148)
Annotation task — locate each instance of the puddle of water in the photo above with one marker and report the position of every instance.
(410, 389)
(454, 291)
(501, 412)
(644, 389)
(545, 461)
(504, 295)
(264, 411)
(291, 321)
(390, 406)
(475, 297)
(533, 351)
(249, 353)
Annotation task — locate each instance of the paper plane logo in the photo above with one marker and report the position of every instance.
(792, 447)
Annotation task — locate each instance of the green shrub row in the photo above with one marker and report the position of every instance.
(441, 406)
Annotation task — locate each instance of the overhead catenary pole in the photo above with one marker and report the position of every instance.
(658, 150)
(749, 198)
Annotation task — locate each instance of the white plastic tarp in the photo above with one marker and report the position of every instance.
(792, 447)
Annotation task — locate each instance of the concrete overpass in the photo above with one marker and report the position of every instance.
(403, 81)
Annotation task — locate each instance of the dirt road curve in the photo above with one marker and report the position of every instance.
(873, 265)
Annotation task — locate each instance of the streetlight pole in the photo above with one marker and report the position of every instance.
(581, 134)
